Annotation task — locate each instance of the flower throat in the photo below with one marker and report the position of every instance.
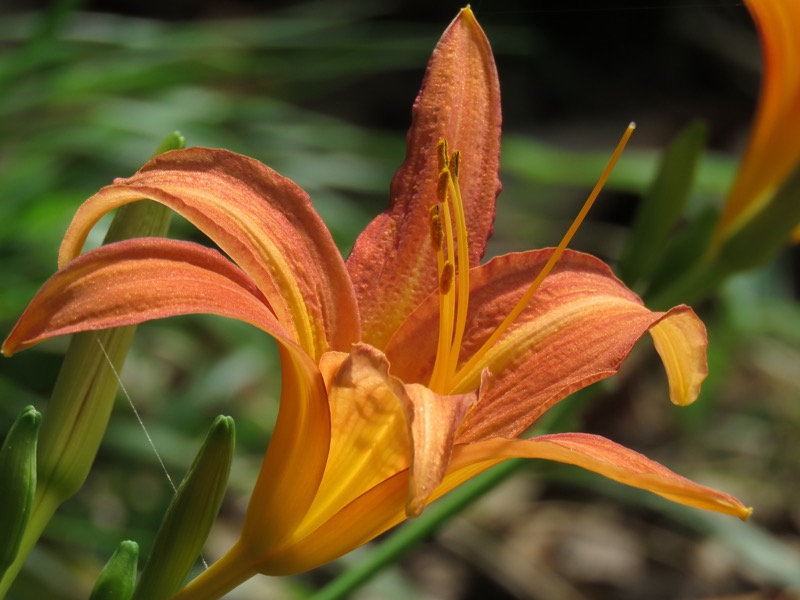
(449, 237)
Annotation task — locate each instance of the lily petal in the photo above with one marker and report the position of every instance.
(140, 280)
(369, 434)
(374, 512)
(772, 151)
(433, 421)
(295, 460)
(263, 221)
(392, 266)
(597, 454)
(680, 340)
(579, 327)
(381, 507)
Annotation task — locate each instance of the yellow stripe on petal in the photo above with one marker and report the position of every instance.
(263, 221)
(295, 461)
(140, 280)
(680, 339)
(369, 433)
(597, 454)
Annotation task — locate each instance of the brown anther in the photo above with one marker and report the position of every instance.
(446, 278)
(437, 232)
(455, 162)
(444, 153)
(442, 184)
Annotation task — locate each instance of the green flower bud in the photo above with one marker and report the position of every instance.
(18, 483)
(190, 515)
(118, 577)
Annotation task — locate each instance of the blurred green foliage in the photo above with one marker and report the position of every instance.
(322, 94)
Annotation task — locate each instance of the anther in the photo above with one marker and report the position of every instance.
(455, 162)
(437, 233)
(444, 153)
(446, 278)
(442, 184)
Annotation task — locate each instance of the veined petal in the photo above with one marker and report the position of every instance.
(381, 507)
(772, 151)
(295, 460)
(366, 517)
(373, 416)
(263, 221)
(579, 327)
(680, 340)
(140, 280)
(597, 454)
(393, 266)
(433, 420)
(369, 434)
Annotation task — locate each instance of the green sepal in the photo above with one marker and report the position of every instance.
(18, 482)
(190, 515)
(118, 578)
(663, 205)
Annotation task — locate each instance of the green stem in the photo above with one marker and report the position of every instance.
(43, 509)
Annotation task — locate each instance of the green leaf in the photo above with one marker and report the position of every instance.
(190, 515)
(118, 577)
(663, 204)
(678, 278)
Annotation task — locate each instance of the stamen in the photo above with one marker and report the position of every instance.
(447, 303)
(442, 185)
(455, 162)
(463, 267)
(437, 234)
(453, 299)
(526, 298)
(446, 278)
(443, 153)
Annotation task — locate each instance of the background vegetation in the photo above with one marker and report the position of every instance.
(321, 92)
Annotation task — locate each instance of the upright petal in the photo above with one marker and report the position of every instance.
(772, 150)
(263, 221)
(393, 266)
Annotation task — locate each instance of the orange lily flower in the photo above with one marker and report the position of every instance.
(773, 150)
(407, 369)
